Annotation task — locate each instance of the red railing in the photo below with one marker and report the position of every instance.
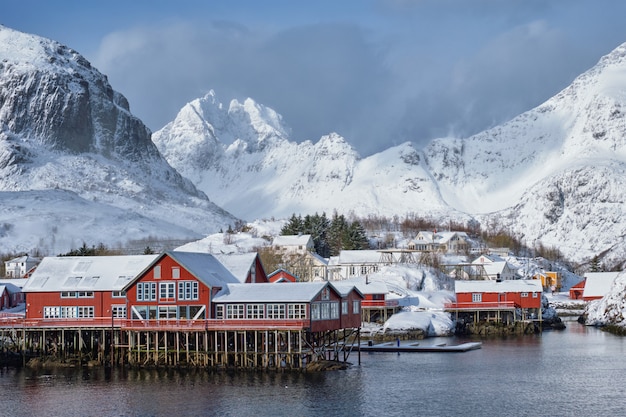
(492, 305)
(155, 324)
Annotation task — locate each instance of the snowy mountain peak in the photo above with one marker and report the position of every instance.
(63, 127)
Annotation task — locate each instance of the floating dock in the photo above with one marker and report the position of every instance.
(417, 347)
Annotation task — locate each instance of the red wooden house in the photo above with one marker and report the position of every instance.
(576, 291)
(177, 286)
(11, 292)
(498, 300)
(80, 290)
(312, 306)
(375, 306)
(281, 275)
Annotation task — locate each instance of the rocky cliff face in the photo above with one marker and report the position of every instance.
(62, 126)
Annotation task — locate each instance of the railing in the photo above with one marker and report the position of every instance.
(373, 303)
(492, 305)
(155, 324)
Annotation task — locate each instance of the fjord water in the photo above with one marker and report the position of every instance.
(580, 371)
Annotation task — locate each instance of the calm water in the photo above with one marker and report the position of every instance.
(577, 372)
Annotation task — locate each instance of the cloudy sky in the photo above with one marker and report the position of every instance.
(378, 72)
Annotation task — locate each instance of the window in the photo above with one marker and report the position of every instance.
(68, 312)
(118, 294)
(315, 311)
(325, 311)
(77, 294)
(535, 295)
(275, 311)
(334, 310)
(326, 294)
(51, 312)
(255, 311)
(175, 272)
(219, 312)
(235, 311)
(344, 307)
(356, 307)
(146, 291)
(167, 312)
(524, 294)
(188, 290)
(477, 297)
(296, 311)
(157, 272)
(352, 270)
(166, 291)
(85, 312)
(119, 311)
(363, 269)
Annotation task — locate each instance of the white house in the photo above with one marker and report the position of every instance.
(439, 241)
(296, 244)
(354, 263)
(495, 267)
(18, 267)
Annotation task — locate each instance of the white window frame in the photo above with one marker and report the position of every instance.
(477, 297)
(255, 311)
(296, 311)
(167, 291)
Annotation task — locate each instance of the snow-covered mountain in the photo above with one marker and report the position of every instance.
(67, 136)
(241, 156)
(552, 175)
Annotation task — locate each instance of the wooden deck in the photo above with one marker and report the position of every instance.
(418, 347)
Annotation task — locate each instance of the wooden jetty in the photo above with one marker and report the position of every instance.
(417, 347)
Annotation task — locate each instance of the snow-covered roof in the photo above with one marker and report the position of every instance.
(488, 258)
(239, 264)
(24, 258)
(205, 267)
(598, 284)
(86, 273)
(320, 259)
(276, 292)
(494, 267)
(13, 285)
(514, 285)
(291, 240)
(358, 257)
(362, 285)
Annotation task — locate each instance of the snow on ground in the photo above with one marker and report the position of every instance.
(564, 305)
(259, 234)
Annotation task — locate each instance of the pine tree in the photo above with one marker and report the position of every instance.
(294, 226)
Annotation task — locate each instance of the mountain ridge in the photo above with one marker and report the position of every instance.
(517, 175)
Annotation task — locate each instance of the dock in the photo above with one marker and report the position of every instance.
(417, 347)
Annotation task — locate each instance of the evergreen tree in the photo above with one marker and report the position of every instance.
(294, 226)
(357, 237)
(595, 264)
(336, 233)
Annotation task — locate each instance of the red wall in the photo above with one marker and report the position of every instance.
(167, 263)
(492, 297)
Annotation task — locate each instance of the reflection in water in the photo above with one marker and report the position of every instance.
(578, 371)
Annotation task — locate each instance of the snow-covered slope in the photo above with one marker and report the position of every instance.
(552, 175)
(610, 309)
(63, 127)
